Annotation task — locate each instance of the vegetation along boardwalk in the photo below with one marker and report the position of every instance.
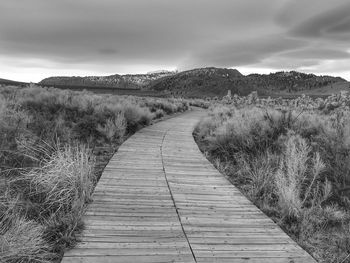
(160, 200)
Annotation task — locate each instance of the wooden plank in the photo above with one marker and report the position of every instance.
(158, 250)
(130, 259)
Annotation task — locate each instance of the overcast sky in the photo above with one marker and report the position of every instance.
(42, 38)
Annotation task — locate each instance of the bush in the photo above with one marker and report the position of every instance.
(85, 116)
(64, 182)
(47, 165)
(297, 176)
(113, 129)
(22, 240)
(136, 117)
(293, 165)
(50, 198)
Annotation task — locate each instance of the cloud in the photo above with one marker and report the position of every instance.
(152, 30)
(107, 51)
(283, 63)
(316, 53)
(329, 24)
(315, 18)
(117, 36)
(243, 52)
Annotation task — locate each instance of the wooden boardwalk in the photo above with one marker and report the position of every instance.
(159, 200)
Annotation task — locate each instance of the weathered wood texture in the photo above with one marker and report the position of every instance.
(160, 200)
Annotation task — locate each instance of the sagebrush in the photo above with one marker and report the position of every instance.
(47, 161)
(293, 163)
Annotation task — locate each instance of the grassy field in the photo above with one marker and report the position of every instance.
(48, 141)
(115, 91)
(292, 159)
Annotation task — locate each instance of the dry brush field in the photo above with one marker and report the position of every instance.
(292, 159)
(49, 141)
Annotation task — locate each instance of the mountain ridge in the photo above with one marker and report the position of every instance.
(11, 82)
(135, 81)
(217, 81)
(208, 82)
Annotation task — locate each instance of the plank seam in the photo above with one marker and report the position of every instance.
(172, 197)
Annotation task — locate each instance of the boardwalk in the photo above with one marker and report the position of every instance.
(159, 200)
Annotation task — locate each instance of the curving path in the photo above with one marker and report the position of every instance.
(159, 200)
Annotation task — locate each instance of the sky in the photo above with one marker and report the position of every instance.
(42, 38)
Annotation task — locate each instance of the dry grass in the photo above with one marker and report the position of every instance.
(21, 240)
(114, 128)
(44, 205)
(47, 166)
(65, 181)
(294, 165)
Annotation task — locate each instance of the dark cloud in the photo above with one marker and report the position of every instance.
(107, 51)
(281, 63)
(114, 36)
(243, 52)
(329, 24)
(343, 27)
(150, 30)
(316, 53)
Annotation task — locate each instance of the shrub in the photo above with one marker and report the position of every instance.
(113, 129)
(49, 201)
(291, 175)
(293, 164)
(47, 166)
(136, 117)
(64, 181)
(255, 174)
(159, 114)
(86, 128)
(22, 240)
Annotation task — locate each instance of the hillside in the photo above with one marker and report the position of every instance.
(292, 81)
(329, 89)
(203, 82)
(128, 81)
(216, 81)
(11, 82)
